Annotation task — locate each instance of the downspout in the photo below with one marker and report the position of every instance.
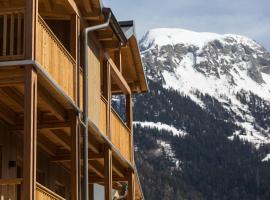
(86, 31)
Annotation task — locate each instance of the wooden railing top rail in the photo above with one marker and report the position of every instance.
(12, 10)
(54, 37)
(12, 181)
(49, 192)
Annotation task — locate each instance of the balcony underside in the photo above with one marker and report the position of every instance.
(54, 124)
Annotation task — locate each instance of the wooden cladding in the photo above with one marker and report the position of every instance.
(9, 189)
(120, 135)
(44, 193)
(12, 34)
(56, 60)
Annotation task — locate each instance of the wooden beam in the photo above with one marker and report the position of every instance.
(108, 173)
(131, 186)
(129, 117)
(96, 179)
(118, 77)
(64, 137)
(14, 95)
(30, 134)
(53, 105)
(87, 5)
(31, 17)
(74, 47)
(75, 157)
(7, 114)
(117, 168)
(44, 126)
(91, 192)
(108, 95)
(104, 35)
(67, 157)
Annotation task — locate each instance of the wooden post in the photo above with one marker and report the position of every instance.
(118, 59)
(91, 192)
(129, 110)
(74, 49)
(108, 173)
(31, 17)
(131, 186)
(30, 134)
(129, 115)
(75, 159)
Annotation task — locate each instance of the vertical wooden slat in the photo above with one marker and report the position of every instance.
(5, 36)
(11, 36)
(108, 173)
(30, 134)
(19, 34)
(75, 159)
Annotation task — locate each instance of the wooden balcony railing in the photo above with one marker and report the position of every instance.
(9, 189)
(44, 193)
(12, 34)
(56, 60)
(120, 135)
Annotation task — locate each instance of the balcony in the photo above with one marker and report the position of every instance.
(12, 34)
(10, 189)
(55, 59)
(120, 134)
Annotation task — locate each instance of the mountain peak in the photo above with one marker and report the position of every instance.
(173, 36)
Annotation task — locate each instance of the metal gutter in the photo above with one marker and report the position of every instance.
(86, 31)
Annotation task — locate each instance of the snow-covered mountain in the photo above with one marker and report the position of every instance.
(202, 132)
(226, 67)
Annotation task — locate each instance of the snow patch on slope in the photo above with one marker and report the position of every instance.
(160, 126)
(173, 36)
(266, 158)
(169, 152)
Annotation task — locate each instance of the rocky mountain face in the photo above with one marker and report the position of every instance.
(202, 132)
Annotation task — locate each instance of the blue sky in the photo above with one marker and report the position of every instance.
(244, 17)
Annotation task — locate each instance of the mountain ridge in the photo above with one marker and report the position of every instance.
(223, 66)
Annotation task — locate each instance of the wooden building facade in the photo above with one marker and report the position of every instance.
(45, 85)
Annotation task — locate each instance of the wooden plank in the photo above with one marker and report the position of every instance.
(30, 134)
(75, 158)
(55, 107)
(108, 173)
